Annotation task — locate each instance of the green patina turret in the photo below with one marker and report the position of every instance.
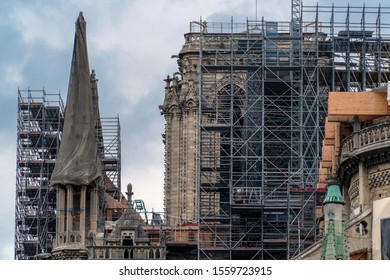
(333, 195)
(334, 239)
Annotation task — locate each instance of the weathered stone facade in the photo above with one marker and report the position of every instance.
(180, 109)
(181, 137)
(365, 173)
(128, 239)
(223, 160)
(359, 157)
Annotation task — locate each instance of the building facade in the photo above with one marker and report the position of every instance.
(180, 110)
(356, 153)
(245, 117)
(363, 169)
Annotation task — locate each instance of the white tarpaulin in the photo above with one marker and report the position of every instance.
(381, 212)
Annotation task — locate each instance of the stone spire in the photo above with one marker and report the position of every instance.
(77, 173)
(77, 161)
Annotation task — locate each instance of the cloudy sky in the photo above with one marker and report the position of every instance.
(130, 44)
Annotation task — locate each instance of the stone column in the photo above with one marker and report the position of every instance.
(60, 214)
(82, 212)
(364, 190)
(190, 156)
(174, 187)
(94, 209)
(356, 130)
(69, 209)
(181, 184)
(168, 165)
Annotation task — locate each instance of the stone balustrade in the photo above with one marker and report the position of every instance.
(368, 139)
(127, 252)
(64, 238)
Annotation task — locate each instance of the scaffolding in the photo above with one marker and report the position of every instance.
(108, 137)
(262, 105)
(39, 129)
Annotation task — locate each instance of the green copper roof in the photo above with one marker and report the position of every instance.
(333, 195)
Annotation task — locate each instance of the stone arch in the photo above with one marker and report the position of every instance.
(157, 254)
(229, 109)
(226, 83)
(174, 109)
(222, 91)
(151, 254)
(347, 199)
(128, 254)
(190, 103)
(127, 241)
(62, 239)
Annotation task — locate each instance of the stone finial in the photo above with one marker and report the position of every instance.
(129, 192)
(167, 82)
(93, 76)
(204, 26)
(175, 81)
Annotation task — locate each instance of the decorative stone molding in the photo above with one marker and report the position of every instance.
(370, 138)
(127, 252)
(69, 253)
(379, 179)
(371, 146)
(354, 189)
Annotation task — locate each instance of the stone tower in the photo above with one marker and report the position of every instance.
(180, 109)
(77, 174)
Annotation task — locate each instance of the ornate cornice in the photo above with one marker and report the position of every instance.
(370, 146)
(370, 158)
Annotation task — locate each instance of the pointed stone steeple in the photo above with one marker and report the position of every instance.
(77, 173)
(77, 160)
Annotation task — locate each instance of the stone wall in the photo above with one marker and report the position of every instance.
(359, 226)
(180, 109)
